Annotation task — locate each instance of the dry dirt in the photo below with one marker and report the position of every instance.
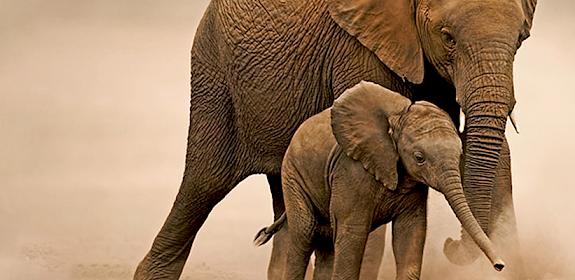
(93, 120)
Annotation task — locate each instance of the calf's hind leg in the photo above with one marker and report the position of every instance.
(302, 225)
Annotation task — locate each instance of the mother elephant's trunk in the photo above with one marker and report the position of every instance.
(486, 90)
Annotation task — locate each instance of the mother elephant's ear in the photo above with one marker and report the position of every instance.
(386, 27)
(528, 11)
(359, 119)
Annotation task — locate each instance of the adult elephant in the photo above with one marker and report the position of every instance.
(259, 68)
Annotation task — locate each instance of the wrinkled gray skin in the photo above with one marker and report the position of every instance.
(336, 192)
(260, 68)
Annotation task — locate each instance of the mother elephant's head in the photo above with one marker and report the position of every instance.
(471, 43)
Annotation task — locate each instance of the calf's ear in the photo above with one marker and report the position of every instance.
(359, 120)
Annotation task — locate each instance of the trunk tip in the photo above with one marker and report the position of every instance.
(498, 264)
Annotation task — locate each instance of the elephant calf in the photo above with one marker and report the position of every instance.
(341, 179)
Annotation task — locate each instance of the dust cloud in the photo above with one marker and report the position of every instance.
(94, 97)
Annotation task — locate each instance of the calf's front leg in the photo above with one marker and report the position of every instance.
(352, 208)
(350, 237)
(373, 254)
(408, 240)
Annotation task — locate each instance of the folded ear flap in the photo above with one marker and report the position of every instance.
(359, 119)
(387, 28)
(529, 11)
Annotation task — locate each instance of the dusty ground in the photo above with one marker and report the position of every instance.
(93, 121)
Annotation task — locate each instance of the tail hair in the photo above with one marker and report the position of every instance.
(265, 234)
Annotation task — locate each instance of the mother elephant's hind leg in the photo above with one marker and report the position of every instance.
(281, 238)
(324, 255)
(213, 168)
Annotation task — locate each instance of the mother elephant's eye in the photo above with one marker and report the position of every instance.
(447, 37)
(419, 158)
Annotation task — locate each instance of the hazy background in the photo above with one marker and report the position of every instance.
(94, 99)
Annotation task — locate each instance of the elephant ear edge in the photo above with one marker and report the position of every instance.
(387, 28)
(529, 11)
(359, 121)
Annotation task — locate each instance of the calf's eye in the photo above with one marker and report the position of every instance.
(419, 158)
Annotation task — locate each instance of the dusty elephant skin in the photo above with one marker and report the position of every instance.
(342, 179)
(260, 68)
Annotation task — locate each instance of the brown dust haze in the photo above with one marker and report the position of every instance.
(94, 99)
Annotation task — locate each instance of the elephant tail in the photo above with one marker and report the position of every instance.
(265, 234)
